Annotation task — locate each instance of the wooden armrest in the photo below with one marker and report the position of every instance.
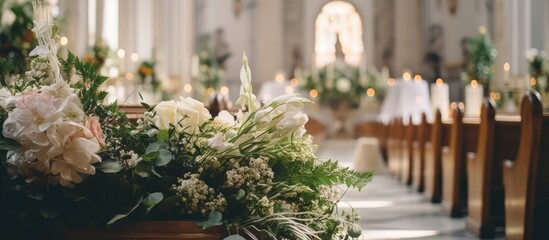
(508, 163)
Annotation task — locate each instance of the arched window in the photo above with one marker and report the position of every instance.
(338, 25)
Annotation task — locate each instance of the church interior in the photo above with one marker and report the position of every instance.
(444, 101)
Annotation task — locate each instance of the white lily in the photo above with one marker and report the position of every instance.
(247, 98)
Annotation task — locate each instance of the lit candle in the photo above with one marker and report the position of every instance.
(473, 98)
(194, 66)
(406, 76)
(279, 77)
(506, 68)
(121, 53)
(440, 97)
(417, 78)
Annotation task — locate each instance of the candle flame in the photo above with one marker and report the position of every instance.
(121, 53)
(407, 76)
(417, 78)
(533, 81)
(210, 91)
(391, 82)
(506, 67)
(313, 93)
(188, 88)
(129, 76)
(224, 90)
(135, 57)
(63, 41)
(474, 84)
(294, 82)
(371, 92)
(439, 81)
(279, 77)
(482, 30)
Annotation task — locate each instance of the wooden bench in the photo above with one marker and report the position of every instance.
(377, 130)
(463, 138)
(526, 179)
(394, 141)
(423, 135)
(440, 135)
(407, 156)
(497, 140)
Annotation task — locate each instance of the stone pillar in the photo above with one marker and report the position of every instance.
(269, 35)
(512, 38)
(75, 13)
(408, 36)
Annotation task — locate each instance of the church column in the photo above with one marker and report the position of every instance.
(269, 35)
(173, 37)
(408, 36)
(512, 39)
(76, 13)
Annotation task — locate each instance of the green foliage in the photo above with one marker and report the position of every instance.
(482, 56)
(16, 39)
(537, 68)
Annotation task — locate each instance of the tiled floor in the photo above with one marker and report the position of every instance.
(391, 210)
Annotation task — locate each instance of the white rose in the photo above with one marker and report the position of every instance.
(224, 119)
(166, 114)
(192, 113)
(343, 85)
(8, 17)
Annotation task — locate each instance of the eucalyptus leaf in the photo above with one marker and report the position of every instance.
(163, 136)
(240, 194)
(148, 157)
(119, 216)
(234, 237)
(214, 219)
(167, 203)
(155, 146)
(144, 168)
(152, 199)
(164, 157)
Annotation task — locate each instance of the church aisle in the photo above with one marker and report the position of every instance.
(391, 210)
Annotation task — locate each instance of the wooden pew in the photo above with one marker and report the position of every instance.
(394, 142)
(407, 155)
(440, 135)
(423, 135)
(463, 138)
(526, 179)
(497, 140)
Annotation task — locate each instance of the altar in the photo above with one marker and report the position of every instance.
(405, 99)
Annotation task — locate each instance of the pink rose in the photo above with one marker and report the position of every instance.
(95, 128)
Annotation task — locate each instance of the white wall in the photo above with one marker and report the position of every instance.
(469, 16)
(214, 14)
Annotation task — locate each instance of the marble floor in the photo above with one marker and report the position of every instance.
(391, 210)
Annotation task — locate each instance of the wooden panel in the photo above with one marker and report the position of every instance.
(143, 230)
(497, 140)
(463, 138)
(423, 136)
(440, 135)
(394, 150)
(408, 152)
(526, 179)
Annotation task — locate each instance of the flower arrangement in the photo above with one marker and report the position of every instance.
(335, 85)
(210, 76)
(537, 67)
(16, 37)
(100, 53)
(147, 75)
(69, 159)
(482, 57)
